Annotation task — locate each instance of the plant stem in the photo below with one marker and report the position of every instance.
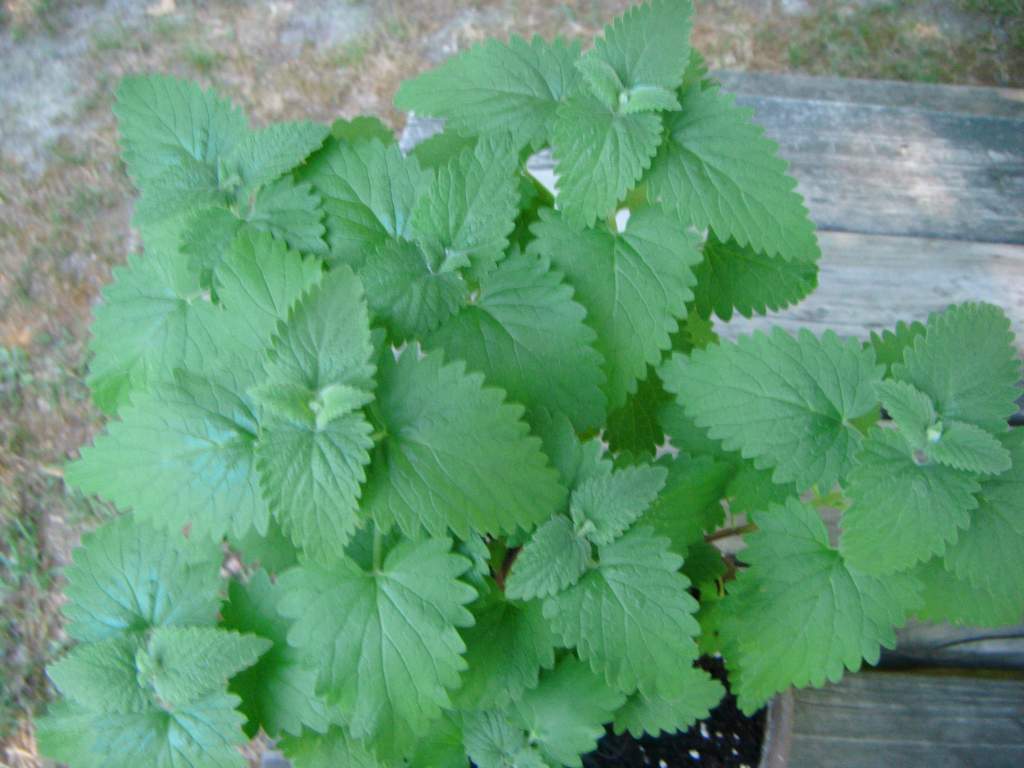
(725, 533)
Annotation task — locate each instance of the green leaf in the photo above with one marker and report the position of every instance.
(600, 155)
(526, 334)
(787, 402)
(163, 120)
(332, 749)
(948, 598)
(565, 714)
(442, 747)
(738, 277)
(911, 409)
(362, 128)
(634, 426)
(553, 559)
(800, 613)
(439, 150)
(267, 154)
(65, 734)
(368, 191)
(183, 664)
(278, 692)
(889, 345)
(259, 281)
(904, 511)
(647, 98)
(190, 446)
(207, 732)
(497, 88)
(141, 329)
(456, 454)
(631, 617)
(552, 726)
(716, 169)
(409, 289)
(127, 577)
(101, 676)
(385, 639)
(469, 209)
(311, 470)
(273, 551)
(605, 506)
(649, 45)
(505, 651)
(693, 701)
(990, 553)
(496, 740)
(966, 362)
(634, 286)
(291, 212)
(967, 447)
(690, 504)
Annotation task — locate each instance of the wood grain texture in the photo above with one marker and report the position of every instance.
(877, 719)
(945, 645)
(869, 282)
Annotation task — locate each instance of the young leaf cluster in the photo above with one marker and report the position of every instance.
(473, 442)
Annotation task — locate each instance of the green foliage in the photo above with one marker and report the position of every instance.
(475, 443)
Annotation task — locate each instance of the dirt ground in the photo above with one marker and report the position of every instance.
(65, 202)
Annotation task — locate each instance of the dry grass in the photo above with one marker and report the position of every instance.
(62, 231)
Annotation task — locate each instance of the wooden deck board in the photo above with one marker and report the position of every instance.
(910, 720)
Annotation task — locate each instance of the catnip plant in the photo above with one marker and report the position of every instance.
(473, 442)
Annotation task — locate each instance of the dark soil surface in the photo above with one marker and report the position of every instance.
(727, 739)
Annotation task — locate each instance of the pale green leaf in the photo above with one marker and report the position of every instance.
(127, 577)
(948, 598)
(716, 169)
(409, 290)
(456, 454)
(603, 507)
(385, 639)
(553, 559)
(905, 510)
(469, 209)
(649, 45)
(101, 676)
(631, 617)
(291, 212)
(787, 402)
(800, 614)
(497, 88)
(525, 333)
(190, 446)
(163, 120)
(967, 363)
(368, 192)
(911, 409)
(265, 155)
(967, 447)
(600, 155)
(278, 692)
(889, 345)
(183, 664)
(634, 286)
(697, 695)
(333, 749)
(506, 649)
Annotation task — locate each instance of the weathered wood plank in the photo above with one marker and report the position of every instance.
(913, 721)
(960, 99)
(945, 645)
(869, 282)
